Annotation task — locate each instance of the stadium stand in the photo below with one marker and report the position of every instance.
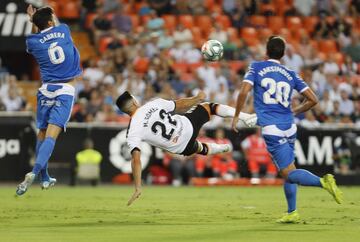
(154, 51)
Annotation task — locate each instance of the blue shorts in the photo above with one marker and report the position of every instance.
(280, 141)
(53, 107)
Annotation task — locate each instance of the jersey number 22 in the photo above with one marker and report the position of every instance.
(56, 53)
(154, 127)
(277, 92)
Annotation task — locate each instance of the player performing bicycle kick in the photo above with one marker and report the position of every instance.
(158, 124)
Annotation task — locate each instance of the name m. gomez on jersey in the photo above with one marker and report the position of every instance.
(155, 124)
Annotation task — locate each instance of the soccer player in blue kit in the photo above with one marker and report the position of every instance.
(273, 86)
(52, 46)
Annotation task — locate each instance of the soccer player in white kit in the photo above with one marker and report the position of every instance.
(157, 124)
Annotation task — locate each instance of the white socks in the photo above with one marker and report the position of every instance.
(218, 148)
(229, 112)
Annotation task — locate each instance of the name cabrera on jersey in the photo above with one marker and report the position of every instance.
(54, 50)
(273, 86)
(155, 124)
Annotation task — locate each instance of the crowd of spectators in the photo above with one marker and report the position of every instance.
(154, 60)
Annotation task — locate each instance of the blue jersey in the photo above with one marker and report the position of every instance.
(273, 86)
(54, 50)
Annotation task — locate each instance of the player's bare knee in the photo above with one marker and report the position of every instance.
(206, 105)
(53, 131)
(285, 172)
(210, 107)
(41, 135)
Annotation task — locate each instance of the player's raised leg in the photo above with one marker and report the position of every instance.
(294, 177)
(226, 111)
(212, 148)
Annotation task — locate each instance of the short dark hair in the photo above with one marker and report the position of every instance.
(275, 47)
(42, 16)
(122, 100)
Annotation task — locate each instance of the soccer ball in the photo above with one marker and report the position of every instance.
(212, 50)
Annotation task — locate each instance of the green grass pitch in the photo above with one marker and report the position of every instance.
(166, 214)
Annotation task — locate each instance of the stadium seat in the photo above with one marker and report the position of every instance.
(236, 65)
(267, 9)
(170, 21)
(55, 6)
(339, 58)
(194, 66)
(250, 35)
(330, 19)
(310, 23)
(209, 4)
(187, 21)
(138, 6)
(293, 23)
(104, 42)
(141, 65)
(258, 21)
(89, 20)
(187, 77)
(197, 35)
(296, 35)
(180, 66)
(328, 46)
(224, 20)
(135, 20)
(275, 23)
(285, 33)
(145, 19)
(233, 34)
(204, 22)
(217, 9)
(265, 32)
(215, 64)
(322, 56)
(128, 9)
(282, 6)
(350, 20)
(70, 10)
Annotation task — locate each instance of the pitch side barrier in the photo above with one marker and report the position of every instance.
(323, 149)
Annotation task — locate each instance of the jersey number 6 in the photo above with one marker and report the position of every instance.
(162, 126)
(280, 89)
(56, 53)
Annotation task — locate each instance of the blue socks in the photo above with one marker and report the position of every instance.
(44, 175)
(44, 151)
(304, 178)
(290, 194)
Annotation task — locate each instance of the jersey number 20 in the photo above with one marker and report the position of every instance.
(277, 92)
(56, 53)
(162, 126)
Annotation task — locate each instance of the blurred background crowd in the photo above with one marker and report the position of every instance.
(152, 49)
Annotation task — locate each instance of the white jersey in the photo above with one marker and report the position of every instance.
(155, 124)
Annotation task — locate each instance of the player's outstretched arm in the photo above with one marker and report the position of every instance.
(136, 170)
(30, 11)
(310, 101)
(244, 90)
(184, 104)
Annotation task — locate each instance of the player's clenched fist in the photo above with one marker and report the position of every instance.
(30, 11)
(201, 96)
